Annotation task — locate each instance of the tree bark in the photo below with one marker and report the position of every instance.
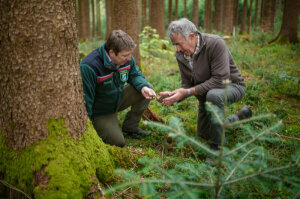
(170, 11)
(176, 9)
(144, 13)
(157, 17)
(236, 14)
(207, 16)
(249, 17)
(130, 24)
(228, 16)
(255, 14)
(289, 27)
(218, 15)
(195, 18)
(93, 19)
(244, 17)
(39, 65)
(267, 15)
(84, 20)
(99, 29)
(108, 17)
(184, 12)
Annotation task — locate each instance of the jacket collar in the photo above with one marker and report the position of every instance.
(108, 63)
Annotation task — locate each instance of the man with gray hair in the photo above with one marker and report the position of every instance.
(205, 62)
(104, 73)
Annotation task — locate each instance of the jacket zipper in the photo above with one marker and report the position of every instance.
(116, 85)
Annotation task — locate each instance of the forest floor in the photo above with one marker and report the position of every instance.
(271, 72)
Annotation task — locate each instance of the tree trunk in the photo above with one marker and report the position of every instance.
(236, 14)
(249, 17)
(289, 27)
(218, 15)
(170, 11)
(268, 14)
(42, 55)
(84, 20)
(130, 24)
(144, 13)
(176, 9)
(228, 16)
(195, 18)
(255, 14)
(157, 17)
(108, 11)
(184, 12)
(207, 16)
(99, 29)
(93, 19)
(278, 9)
(244, 17)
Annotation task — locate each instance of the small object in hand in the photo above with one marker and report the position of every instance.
(160, 99)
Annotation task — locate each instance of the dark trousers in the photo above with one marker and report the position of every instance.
(107, 126)
(207, 128)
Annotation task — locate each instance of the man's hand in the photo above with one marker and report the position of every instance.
(148, 93)
(173, 96)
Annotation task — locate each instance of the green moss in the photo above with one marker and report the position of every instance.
(68, 166)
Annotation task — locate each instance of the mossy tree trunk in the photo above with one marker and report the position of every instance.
(40, 77)
(47, 148)
(84, 19)
(157, 17)
(289, 27)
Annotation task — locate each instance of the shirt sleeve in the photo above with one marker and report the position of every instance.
(218, 55)
(89, 82)
(136, 78)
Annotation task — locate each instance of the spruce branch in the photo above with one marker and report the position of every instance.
(253, 139)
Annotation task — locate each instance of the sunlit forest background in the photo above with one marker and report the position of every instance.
(49, 149)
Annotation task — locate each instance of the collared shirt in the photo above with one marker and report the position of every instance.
(190, 59)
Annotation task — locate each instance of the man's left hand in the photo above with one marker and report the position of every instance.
(175, 96)
(148, 93)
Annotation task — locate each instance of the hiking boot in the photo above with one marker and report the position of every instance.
(137, 132)
(244, 113)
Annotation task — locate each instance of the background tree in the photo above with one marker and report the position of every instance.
(289, 27)
(144, 13)
(236, 14)
(207, 16)
(108, 17)
(244, 17)
(84, 19)
(255, 14)
(228, 16)
(170, 11)
(130, 24)
(218, 15)
(195, 15)
(185, 15)
(267, 15)
(93, 19)
(176, 9)
(98, 17)
(157, 17)
(249, 17)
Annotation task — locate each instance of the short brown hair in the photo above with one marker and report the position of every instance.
(119, 40)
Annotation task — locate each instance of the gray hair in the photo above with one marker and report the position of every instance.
(181, 26)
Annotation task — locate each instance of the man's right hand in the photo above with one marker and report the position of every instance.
(163, 95)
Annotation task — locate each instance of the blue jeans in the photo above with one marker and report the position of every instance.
(206, 127)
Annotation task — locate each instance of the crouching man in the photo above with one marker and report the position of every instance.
(104, 74)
